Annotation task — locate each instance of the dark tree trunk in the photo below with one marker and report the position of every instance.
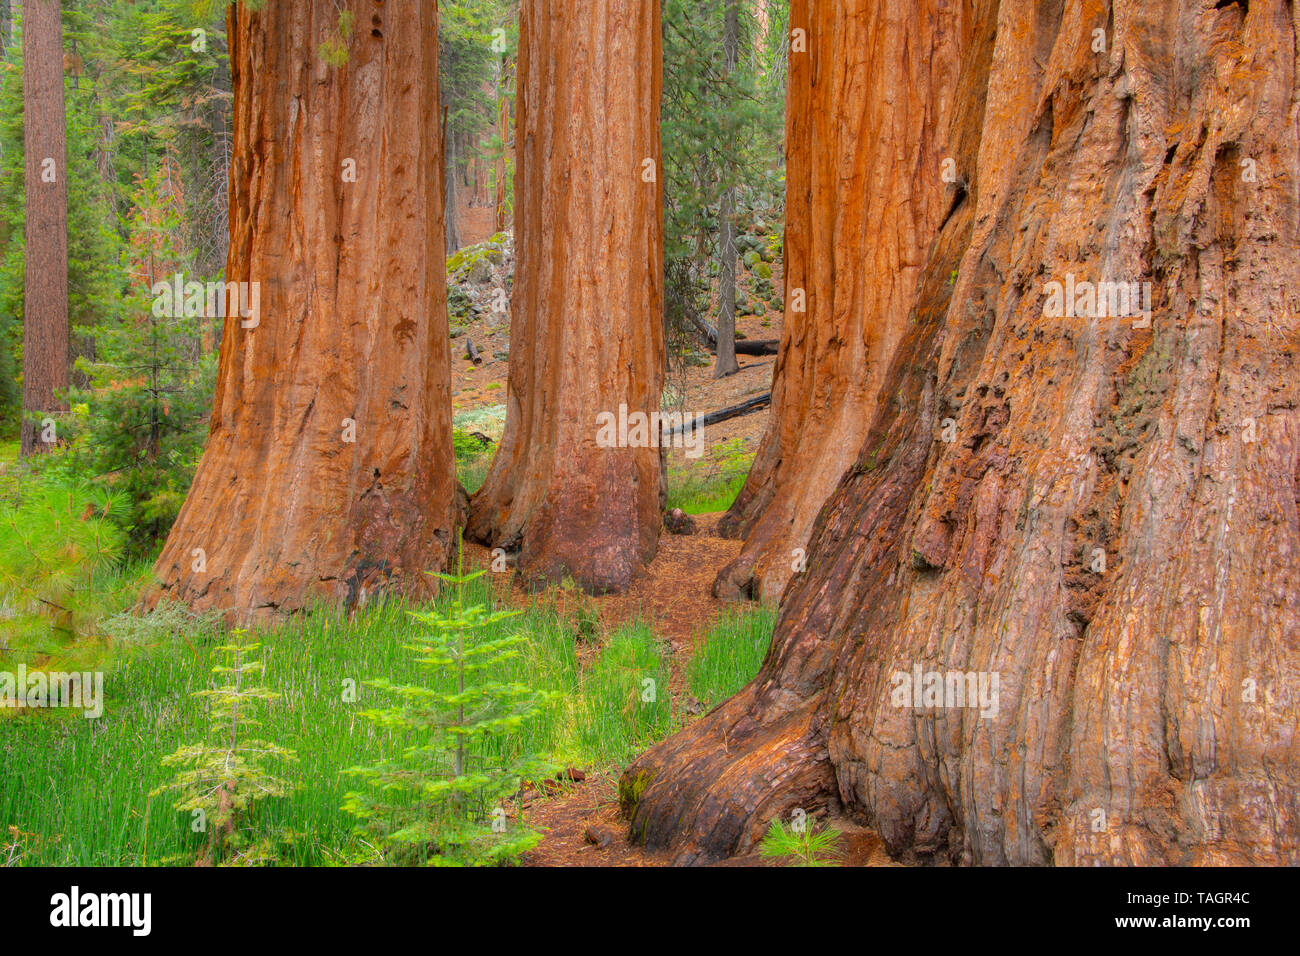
(45, 283)
(725, 362)
(329, 471)
(450, 207)
(1147, 705)
(586, 327)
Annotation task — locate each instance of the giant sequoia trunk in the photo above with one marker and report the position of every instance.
(45, 276)
(586, 330)
(869, 104)
(329, 470)
(1113, 529)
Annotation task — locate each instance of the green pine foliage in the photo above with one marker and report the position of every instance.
(59, 545)
(441, 799)
(719, 130)
(803, 845)
(139, 426)
(470, 54)
(221, 780)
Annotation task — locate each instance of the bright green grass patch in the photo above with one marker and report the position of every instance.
(705, 500)
(624, 703)
(711, 484)
(473, 456)
(76, 790)
(730, 655)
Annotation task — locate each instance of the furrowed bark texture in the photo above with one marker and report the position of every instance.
(868, 115)
(1147, 713)
(45, 276)
(353, 325)
(586, 328)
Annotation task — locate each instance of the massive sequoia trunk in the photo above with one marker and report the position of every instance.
(1112, 530)
(868, 110)
(586, 329)
(45, 282)
(328, 473)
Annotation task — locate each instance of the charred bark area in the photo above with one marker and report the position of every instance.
(1146, 705)
(329, 472)
(586, 328)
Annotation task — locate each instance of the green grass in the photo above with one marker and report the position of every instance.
(473, 459)
(730, 655)
(705, 499)
(710, 484)
(471, 472)
(76, 790)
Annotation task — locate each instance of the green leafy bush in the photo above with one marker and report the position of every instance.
(138, 423)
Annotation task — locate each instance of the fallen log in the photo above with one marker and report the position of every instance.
(709, 332)
(472, 353)
(743, 346)
(731, 411)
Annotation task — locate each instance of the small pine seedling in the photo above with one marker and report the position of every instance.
(804, 846)
(221, 781)
(439, 801)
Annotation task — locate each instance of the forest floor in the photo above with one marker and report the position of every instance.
(674, 595)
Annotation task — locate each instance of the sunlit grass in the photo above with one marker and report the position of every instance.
(730, 655)
(710, 484)
(75, 791)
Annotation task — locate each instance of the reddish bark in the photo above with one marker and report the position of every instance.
(45, 276)
(869, 105)
(586, 329)
(1147, 712)
(353, 328)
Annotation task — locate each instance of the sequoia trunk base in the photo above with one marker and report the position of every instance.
(1088, 518)
(586, 327)
(329, 473)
